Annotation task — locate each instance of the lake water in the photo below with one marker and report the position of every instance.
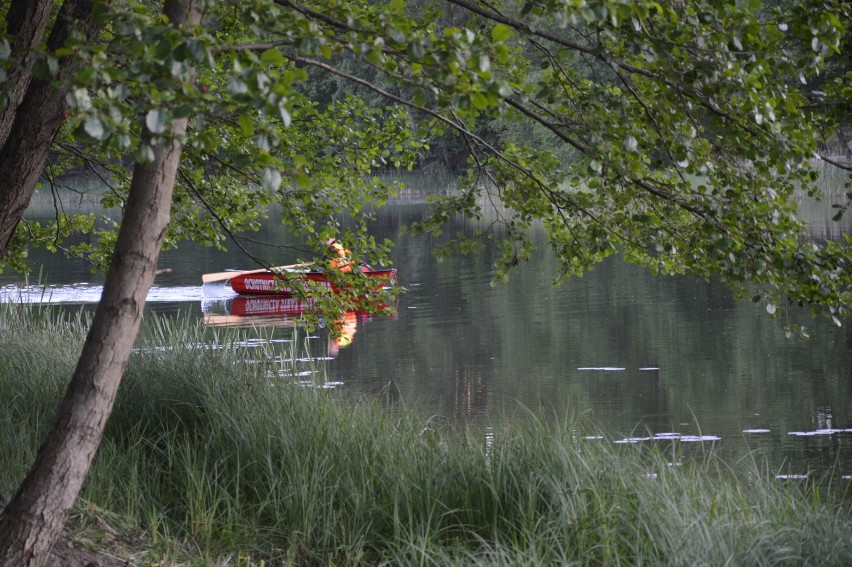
(649, 358)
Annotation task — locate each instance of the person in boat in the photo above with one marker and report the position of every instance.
(342, 257)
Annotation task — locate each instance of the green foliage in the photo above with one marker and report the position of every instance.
(674, 133)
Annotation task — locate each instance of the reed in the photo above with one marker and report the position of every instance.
(211, 457)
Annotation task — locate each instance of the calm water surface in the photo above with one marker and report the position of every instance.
(649, 358)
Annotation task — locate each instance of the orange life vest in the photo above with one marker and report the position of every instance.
(343, 261)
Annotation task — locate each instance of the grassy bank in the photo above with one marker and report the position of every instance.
(207, 460)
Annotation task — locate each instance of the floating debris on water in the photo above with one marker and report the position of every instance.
(791, 476)
(670, 436)
(288, 373)
(323, 386)
(667, 435)
(631, 440)
(617, 368)
(818, 432)
(755, 431)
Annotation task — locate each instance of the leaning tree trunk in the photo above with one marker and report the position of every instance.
(26, 21)
(27, 131)
(35, 517)
(33, 521)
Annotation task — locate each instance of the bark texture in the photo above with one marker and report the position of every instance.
(36, 121)
(26, 21)
(36, 515)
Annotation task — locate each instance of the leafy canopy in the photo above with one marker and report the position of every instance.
(677, 133)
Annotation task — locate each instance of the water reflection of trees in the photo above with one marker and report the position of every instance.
(725, 365)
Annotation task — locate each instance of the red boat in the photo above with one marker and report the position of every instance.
(269, 283)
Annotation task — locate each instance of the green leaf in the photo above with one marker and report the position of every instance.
(86, 75)
(237, 86)
(271, 179)
(41, 70)
(52, 65)
(501, 32)
(480, 101)
(94, 127)
(272, 57)
(246, 124)
(415, 50)
(183, 111)
(145, 154)
(285, 114)
(303, 180)
(157, 121)
(397, 36)
(163, 50)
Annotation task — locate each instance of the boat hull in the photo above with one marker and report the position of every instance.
(268, 283)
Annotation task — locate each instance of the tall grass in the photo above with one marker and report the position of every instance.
(37, 355)
(214, 462)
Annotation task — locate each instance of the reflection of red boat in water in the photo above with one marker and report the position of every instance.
(270, 310)
(285, 311)
(268, 283)
(269, 305)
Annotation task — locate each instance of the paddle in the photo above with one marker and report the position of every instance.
(222, 276)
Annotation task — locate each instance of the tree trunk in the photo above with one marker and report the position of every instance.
(37, 120)
(33, 521)
(34, 518)
(26, 21)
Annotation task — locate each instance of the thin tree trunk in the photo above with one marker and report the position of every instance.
(33, 521)
(36, 122)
